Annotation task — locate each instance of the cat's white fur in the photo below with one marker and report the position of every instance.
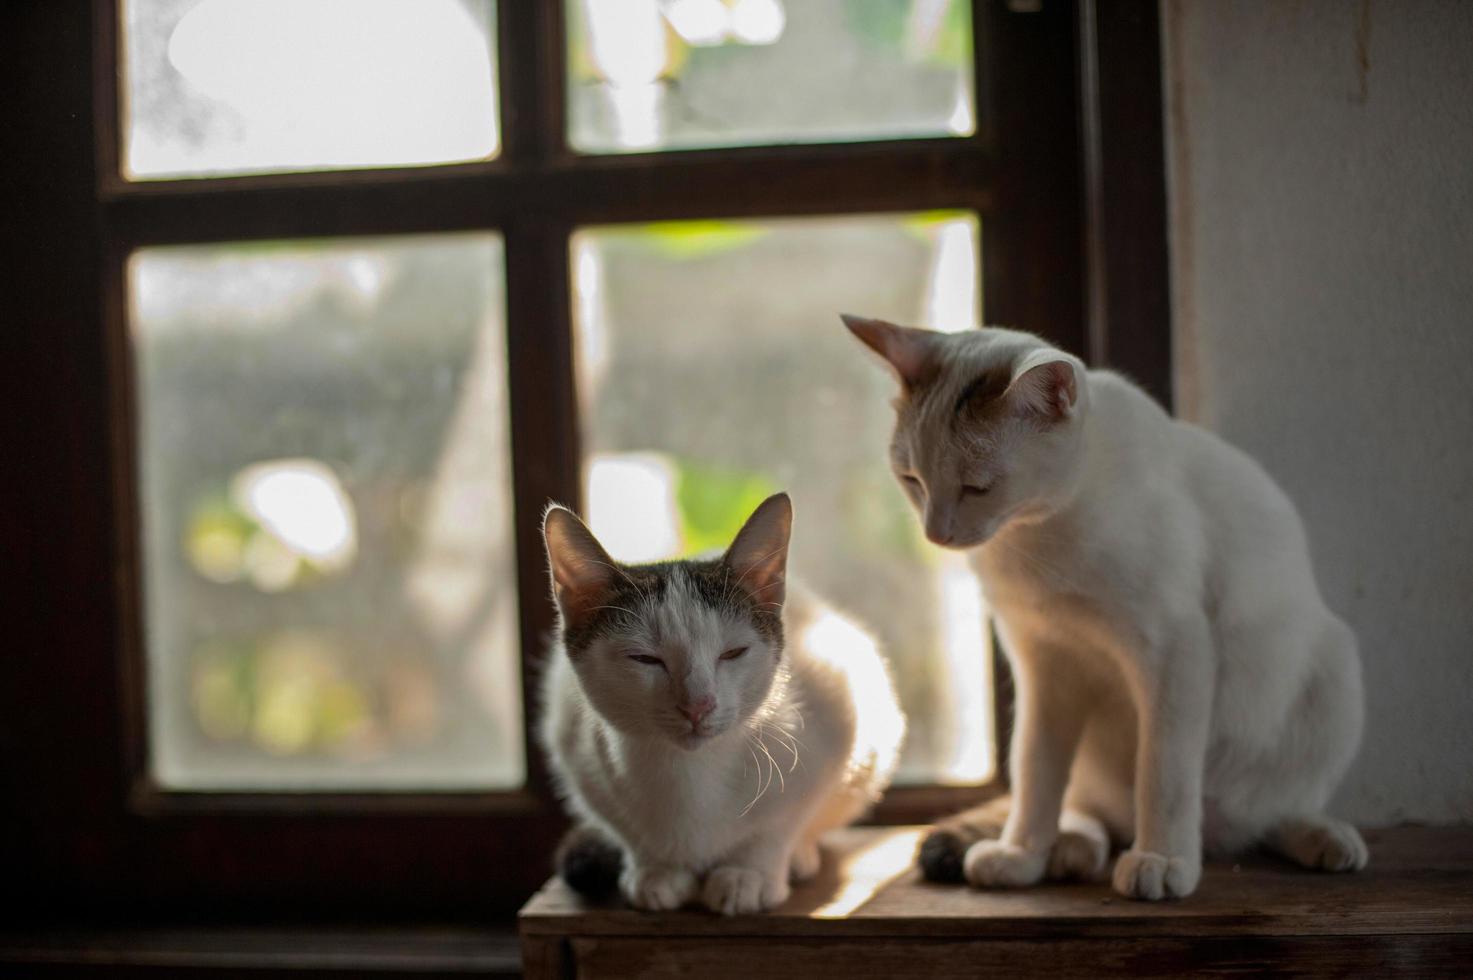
(799, 741)
(1180, 680)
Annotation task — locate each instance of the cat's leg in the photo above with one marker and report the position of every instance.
(1082, 851)
(1319, 842)
(1044, 740)
(1324, 728)
(1174, 704)
(657, 887)
(805, 862)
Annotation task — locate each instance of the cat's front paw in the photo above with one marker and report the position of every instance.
(993, 864)
(1152, 877)
(657, 888)
(734, 890)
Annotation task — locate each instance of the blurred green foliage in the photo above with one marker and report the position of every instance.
(715, 502)
(697, 239)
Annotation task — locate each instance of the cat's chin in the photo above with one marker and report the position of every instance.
(967, 544)
(690, 741)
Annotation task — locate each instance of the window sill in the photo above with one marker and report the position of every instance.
(869, 914)
(345, 952)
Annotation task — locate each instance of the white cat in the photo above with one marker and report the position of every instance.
(705, 726)
(1179, 679)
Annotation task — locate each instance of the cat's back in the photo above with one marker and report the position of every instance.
(1183, 468)
(1234, 533)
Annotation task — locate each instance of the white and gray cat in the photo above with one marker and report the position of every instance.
(1179, 679)
(704, 722)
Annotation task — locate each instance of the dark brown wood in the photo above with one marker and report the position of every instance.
(1031, 255)
(358, 951)
(107, 113)
(545, 958)
(922, 804)
(757, 181)
(1128, 269)
(868, 914)
(1086, 959)
(533, 81)
(544, 433)
(59, 701)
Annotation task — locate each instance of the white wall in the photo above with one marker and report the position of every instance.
(1320, 158)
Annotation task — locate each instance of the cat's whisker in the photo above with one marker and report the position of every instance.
(772, 768)
(757, 769)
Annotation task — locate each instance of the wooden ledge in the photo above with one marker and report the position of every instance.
(870, 914)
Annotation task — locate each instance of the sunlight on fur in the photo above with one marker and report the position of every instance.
(851, 652)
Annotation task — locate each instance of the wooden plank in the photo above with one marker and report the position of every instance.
(1061, 959)
(356, 951)
(1420, 882)
(545, 958)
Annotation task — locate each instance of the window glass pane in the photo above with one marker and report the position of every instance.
(714, 370)
(329, 587)
(216, 87)
(668, 74)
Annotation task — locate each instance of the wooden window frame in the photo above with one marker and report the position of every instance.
(1065, 172)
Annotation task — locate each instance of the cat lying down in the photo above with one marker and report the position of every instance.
(705, 723)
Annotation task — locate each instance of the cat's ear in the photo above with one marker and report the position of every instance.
(1045, 385)
(583, 574)
(910, 352)
(758, 558)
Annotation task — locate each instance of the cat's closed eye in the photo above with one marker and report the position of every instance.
(972, 490)
(644, 658)
(733, 653)
(910, 481)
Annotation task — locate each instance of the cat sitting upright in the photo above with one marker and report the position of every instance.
(1179, 679)
(705, 723)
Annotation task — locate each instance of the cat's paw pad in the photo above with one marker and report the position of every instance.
(804, 863)
(1152, 877)
(657, 889)
(1078, 857)
(734, 890)
(941, 856)
(1336, 846)
(993, 864)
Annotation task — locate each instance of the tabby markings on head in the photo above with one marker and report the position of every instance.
(640, 590)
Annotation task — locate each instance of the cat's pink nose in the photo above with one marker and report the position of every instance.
(698, 709)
